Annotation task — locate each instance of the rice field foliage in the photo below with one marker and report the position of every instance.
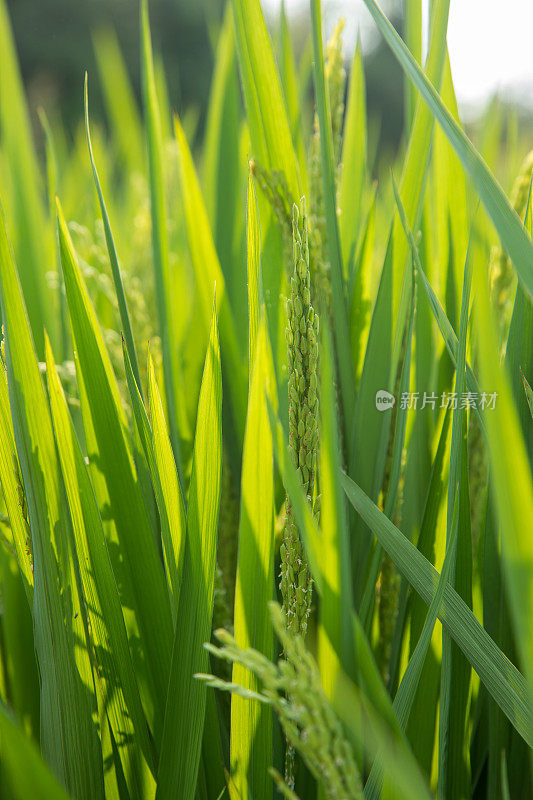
(266, 433)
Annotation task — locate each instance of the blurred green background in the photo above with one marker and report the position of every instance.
(54, 40)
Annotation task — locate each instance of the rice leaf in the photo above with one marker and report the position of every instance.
(405, 696)
(116, 671)
(115, 462)
(454, 777)
(162, 275)
(11, 490)
(413, 40)
(354, 161)
(444, 324)
(68, 737)
(529, 394)
(111, 249)
(265, 106)
(336, 644)
(512, 480)
(415, 168)
(27, 775)
(221, 153)
(21, 674)
(504, 682)
(186, 697)
(251, 722)
(208, 275)
(292, 93)
(506, 221)
(253, 268)
(163, 473)
(119, 98)
(32, 241)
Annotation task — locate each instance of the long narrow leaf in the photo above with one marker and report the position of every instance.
(186, 697)
(506, 221)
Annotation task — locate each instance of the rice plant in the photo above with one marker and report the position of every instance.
(243, 553)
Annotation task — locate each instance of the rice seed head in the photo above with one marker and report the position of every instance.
(274, 186)
(501, 270)
(336, 82)
(335, 75)
(302, 364)
(293, 688)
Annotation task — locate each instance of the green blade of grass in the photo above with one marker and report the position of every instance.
(162, 276)
(454, 777)
(115, 461)
(369, 426)
(119, 98)
(33, 243)
(265, 106)
(52, 190)
(251, 722)
(404, 778)
(10, 489)
(172, 492)
(412, 609)
(354, 161)
(28, 777)
(253, 269)
(336, 645)
(504, 682)
(100, 590)
(292, 93)
(221, 156)
(406, 694)
(413, 39)
(529, 394)
(444, 324)
(399, 420)
(21, 672)
(111, 249)
(512, 479)
(415, 167)
(160, 459)
(68, 736)
(509, 226)
(208, 275)
(186, 697)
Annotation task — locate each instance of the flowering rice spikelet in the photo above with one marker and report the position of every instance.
(335, 75)
(502, 273)
(293, 688)
(274, 186)
(302, 361)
